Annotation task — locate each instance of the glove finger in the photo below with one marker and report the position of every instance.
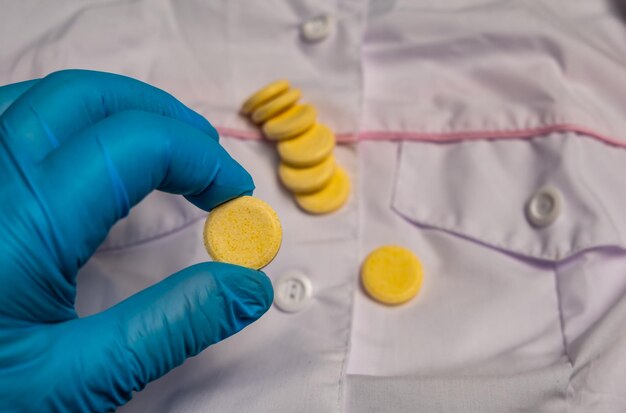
(140, 339)
(97, 176)
(9, 93)
(66, 102)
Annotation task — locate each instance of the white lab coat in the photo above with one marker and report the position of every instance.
(451, 114)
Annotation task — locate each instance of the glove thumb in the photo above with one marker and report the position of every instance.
(150, 333)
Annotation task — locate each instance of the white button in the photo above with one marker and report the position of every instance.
(293, 291)
(544, 207)
(316, 28)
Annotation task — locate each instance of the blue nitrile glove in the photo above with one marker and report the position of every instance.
(77, 150)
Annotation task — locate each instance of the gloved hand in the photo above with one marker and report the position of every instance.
(77, 150)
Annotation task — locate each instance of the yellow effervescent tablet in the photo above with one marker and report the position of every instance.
(263, 95)
(392, 275)
(328, 199)
(290, 123)
(245, 231)
(276, 105)
(309, 179)
(308, 148)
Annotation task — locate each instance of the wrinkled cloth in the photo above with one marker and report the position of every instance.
(451, 114)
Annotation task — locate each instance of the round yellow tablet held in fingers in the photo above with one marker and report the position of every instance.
(328, 199)
(392, 275)
(245, 231)
(263, 95)
(290, 123)
(309, 148)
(276, 105)
(309, 179)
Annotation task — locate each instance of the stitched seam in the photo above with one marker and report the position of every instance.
(487, 134)
(559, 307)
(413, 217)
(353, 289)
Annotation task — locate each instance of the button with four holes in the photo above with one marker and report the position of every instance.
(293, 291)
(544, 207)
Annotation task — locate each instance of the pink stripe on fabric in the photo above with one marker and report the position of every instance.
(449, 137)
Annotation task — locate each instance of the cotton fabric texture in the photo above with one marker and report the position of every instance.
(450, 115)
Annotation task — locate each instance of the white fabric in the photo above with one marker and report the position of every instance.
(494, 65)
(536, 391)
(505, 306)
(423, 66)
(482, 192)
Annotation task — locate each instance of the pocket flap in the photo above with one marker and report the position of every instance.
(481, 190)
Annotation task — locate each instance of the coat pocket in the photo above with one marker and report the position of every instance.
(483, 191)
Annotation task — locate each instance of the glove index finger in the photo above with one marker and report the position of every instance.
(10, 93)
(97, 176)
(66, 102)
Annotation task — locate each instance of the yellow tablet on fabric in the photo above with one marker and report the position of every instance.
(263, 95)
(308, 148)
(306, 180)
(290, 123)
(392, 275)
(276, 105)
(328, 199)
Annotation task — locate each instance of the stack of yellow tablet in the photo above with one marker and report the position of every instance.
(307, 168)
